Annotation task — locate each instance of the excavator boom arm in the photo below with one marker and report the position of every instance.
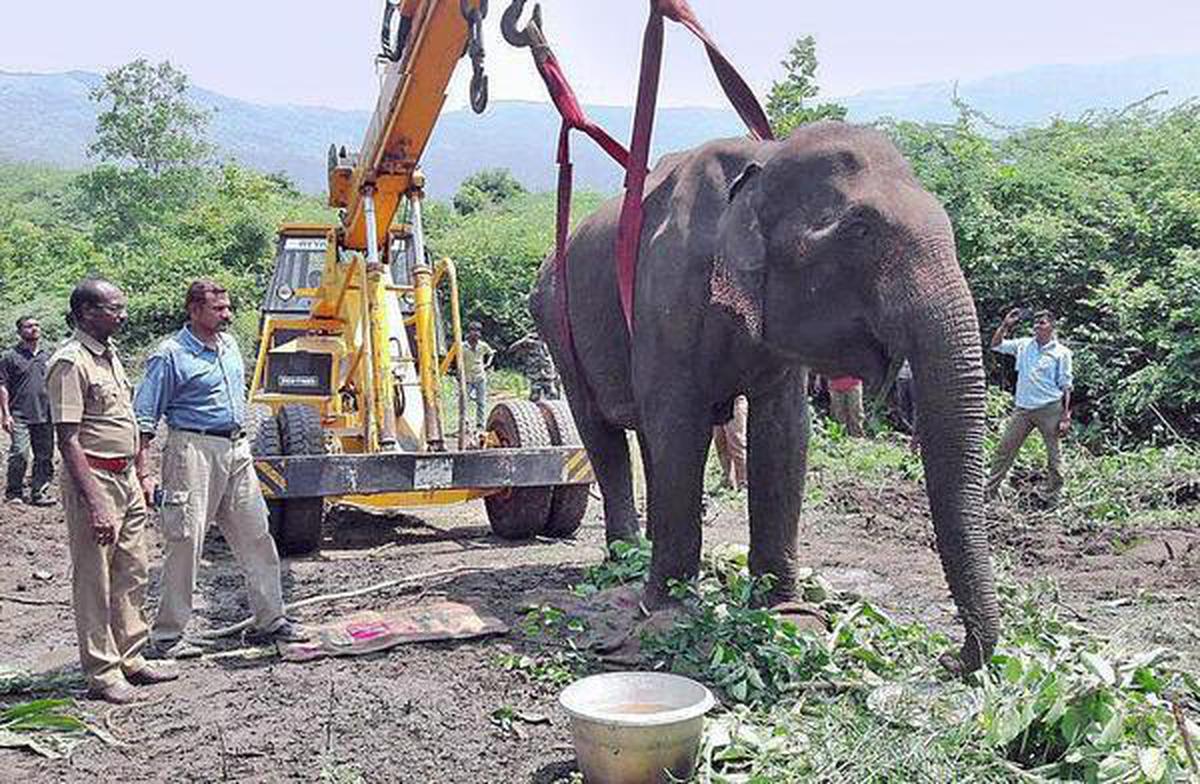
(411, 98)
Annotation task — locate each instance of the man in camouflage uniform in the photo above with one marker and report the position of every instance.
(539, 367)
(91, 403)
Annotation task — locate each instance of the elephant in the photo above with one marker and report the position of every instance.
(761, 261)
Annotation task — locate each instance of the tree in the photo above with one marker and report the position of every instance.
(485, 189)
(788, 104)
(150, 123)
(151, 142)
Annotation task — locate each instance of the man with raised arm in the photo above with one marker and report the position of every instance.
(1043, 399)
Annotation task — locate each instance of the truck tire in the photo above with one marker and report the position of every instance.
(263, 431)
(568, 503)
(300, 433)
(519, 512)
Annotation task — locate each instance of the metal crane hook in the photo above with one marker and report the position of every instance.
(531, 35)
(479, 81)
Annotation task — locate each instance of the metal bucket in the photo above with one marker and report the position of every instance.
(634, 727)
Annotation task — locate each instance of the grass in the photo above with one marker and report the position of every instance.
(559, 658)
(18, 680)
(503, 384)
(335, 772)
(1148, 486)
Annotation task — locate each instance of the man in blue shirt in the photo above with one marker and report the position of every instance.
(1043, 399)
(196, 381)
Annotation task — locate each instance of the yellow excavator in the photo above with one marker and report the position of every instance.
(361, 326)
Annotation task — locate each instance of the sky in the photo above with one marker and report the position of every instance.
(320, 52)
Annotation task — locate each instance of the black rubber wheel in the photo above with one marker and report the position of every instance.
(263, 431)
(519, 512)
(299, 530)
(568, 503)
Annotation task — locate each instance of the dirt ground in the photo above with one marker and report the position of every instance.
(421, 713)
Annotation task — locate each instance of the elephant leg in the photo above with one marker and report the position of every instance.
(676, 446)
(608, 449)
(778, 432)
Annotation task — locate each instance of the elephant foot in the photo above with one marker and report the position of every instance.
(782, 592)
(616, 618)
(806, 617)
(627, 532)
(657, 597)
(966, 661)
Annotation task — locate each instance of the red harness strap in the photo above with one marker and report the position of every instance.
(635, 160)
(629, 231)
(573, 118)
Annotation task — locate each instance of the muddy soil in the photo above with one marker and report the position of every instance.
(422, 713)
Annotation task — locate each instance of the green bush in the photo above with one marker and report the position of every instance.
(55, 230)
(1097, 219)
(498, 252)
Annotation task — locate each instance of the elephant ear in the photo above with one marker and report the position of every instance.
(739, 266)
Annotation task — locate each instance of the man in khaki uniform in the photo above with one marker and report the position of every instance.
(92, 408)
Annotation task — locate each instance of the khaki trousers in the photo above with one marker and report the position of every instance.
(211, 478)
(1023, 422)
(730, 441)
(108, 584)
(847, 408)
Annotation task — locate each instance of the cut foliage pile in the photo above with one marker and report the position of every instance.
(868, 700)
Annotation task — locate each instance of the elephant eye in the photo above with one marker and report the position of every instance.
(859, 230)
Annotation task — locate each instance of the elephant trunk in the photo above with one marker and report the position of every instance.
(944, 349)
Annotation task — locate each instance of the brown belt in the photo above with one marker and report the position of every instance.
(113, 465)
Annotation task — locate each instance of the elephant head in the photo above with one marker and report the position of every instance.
(832, 255)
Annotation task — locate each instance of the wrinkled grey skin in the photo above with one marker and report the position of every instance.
(758, 261)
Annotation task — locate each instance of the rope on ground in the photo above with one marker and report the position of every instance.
(246, 623)
(34, 602)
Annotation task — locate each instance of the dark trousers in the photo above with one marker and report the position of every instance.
(36, 441)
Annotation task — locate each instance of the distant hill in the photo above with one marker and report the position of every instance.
(1037, 94)
(49, 118)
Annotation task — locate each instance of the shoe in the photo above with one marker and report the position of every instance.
(14, 499)
(177, 648)
(284, 630)
(119, 693)
(150, 675)
(42, 500)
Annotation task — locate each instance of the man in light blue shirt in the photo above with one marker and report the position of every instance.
(196, 381)
(1043, 399)
(194, 386)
